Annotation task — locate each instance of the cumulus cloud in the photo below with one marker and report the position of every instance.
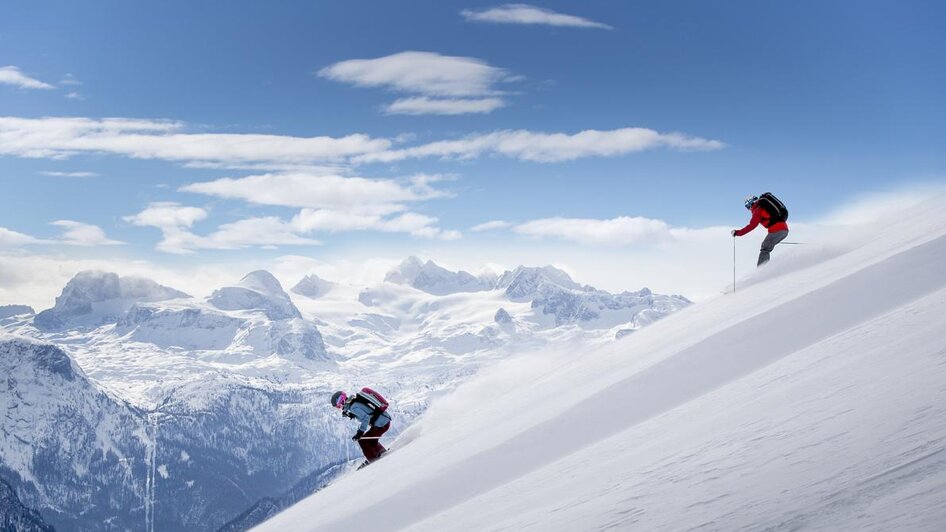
(167, 214)
(528, 14)
(58, 138)
(81, 234)
(11, 75)
(490, 226)
(444, 84)
(548, 147)
(443, 106)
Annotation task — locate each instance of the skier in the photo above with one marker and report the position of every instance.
(370, 408)
(772, 214)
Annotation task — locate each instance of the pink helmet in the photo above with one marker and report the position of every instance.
(339, 399)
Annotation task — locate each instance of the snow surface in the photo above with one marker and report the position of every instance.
(813, 398)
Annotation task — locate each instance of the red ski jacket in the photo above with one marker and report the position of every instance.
(762, 216)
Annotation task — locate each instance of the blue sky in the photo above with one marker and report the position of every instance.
(228, 116)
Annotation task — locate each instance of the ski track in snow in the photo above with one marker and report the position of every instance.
(823, 410)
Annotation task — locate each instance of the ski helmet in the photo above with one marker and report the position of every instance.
(750, 201)
(338, 399)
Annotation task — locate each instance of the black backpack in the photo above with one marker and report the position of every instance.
(772, 205)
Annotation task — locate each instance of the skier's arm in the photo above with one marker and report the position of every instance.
(756, 218)
(361, 414)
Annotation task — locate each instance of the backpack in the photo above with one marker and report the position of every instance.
(772, 205)
(373, 399)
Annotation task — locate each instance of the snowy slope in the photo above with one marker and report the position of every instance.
(812, 398)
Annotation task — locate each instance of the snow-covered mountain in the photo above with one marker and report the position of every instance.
(312, 286)
(434, 279)
(811, 399)
(221, 402)
(94, 298)
(14, 516)
(259, 290)
(8, 311)
(65, 444)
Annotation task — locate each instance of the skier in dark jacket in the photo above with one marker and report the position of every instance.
(777, 230)
(375, 421)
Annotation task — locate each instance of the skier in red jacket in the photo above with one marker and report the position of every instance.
(778, 229)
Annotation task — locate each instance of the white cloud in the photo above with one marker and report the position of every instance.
(74, 234)
(443, 106)
(11, 75)
(620, 231)
(337, 204)
(70, 80)
(80, 234)
(167, 215)
(264, 231)
(548, 147)
(75, 96)
(324, 220)
(528, 14)
(447, 84)
(13, 238)
(490, 226)
(420, 73)
(57, 137)
(333, 192)
(70, 174)
(175, 220)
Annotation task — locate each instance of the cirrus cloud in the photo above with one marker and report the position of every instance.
(490, 226)
(11, 75)
(548, 147)
(443, 106)
(529, 14)
(320, 191)
(63, 137)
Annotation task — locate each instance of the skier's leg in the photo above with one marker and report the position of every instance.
(769, 244)
(372, 447)
(367, 447)
(382, 430)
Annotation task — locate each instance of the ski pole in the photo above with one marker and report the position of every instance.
(794, 243)
(734, 264)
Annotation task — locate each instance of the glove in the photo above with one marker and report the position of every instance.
(357, 436)
(733, 232)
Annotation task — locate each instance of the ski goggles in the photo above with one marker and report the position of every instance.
(341, 400)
